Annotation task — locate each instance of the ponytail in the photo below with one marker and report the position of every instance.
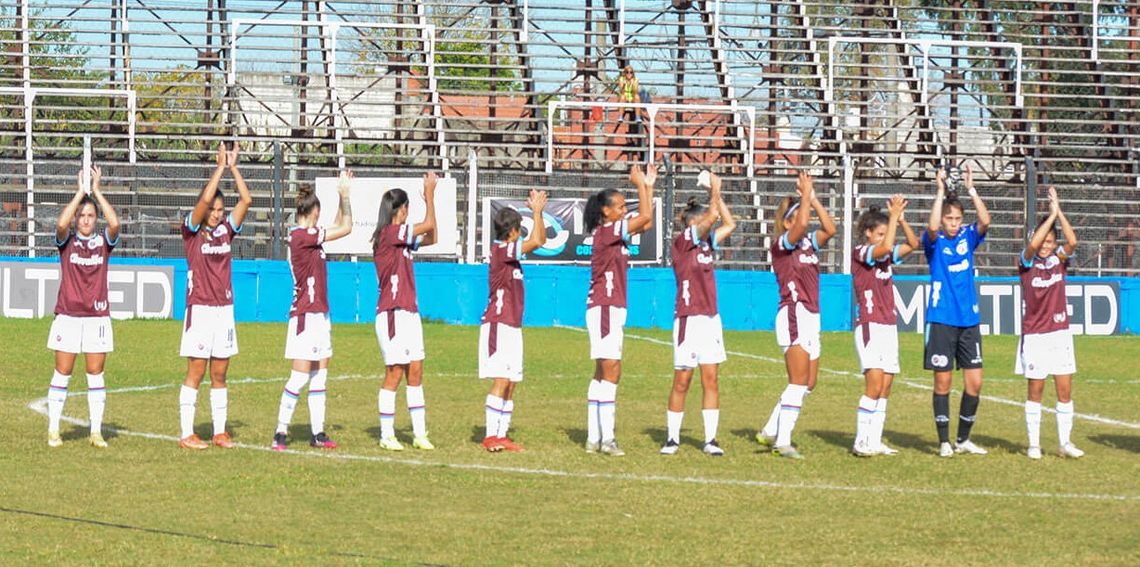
(693, 209)
(306, 200)
(595, 215)
(392, 201)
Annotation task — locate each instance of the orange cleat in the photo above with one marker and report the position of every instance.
(510, 446)
(192, 442)
(223, 440)
(493, 444)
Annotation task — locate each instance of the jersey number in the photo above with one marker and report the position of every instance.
(870, 297)
(795, 294)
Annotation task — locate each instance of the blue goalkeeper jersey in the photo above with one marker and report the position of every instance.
(952, 300)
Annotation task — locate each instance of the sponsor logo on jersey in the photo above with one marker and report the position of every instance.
(959, 266)
(1039, 281)
(96, 260)
(218, 249)
(808, 259)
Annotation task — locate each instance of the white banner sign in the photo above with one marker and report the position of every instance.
(365, 198)
(30, 289)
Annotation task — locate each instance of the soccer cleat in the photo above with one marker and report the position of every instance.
(788, 452)
(192, 442)
(670, 447)
(510, 446)
(223, 440)
(322, 441)
(882, 449)
(712, 449)
(1068, 450)
(54, 440)
(611, 448)
(492, 444)
(390, 444)
(280, 440)
(945, 450)
(968, 446)
(860, 449)
(97, 441)
(765, 440)
(1034, 453)
(423, 443)
(593, 446)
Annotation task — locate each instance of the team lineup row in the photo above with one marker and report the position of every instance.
(82, 322)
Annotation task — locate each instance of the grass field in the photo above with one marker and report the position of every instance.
(144, 501)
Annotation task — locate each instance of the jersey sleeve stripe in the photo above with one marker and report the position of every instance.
(107, 235)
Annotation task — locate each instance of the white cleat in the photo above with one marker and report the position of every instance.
(97, 441)
(945, 450)
(1070, 451)
(611, 448)
(862, 450)
(54, 440)
(969, 447)
(670, 447)
(882, 449)
(712, 449)
(390, 444)
(593, 446)
(1034, 453)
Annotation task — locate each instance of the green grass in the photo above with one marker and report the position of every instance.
(145, 501)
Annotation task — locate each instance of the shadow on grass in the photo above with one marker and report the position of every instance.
(205, 430)
(750, 436)
(911, 441)
(991, 443)
(1129, 443)
(578, 436)
(841, 439)
(75, 433)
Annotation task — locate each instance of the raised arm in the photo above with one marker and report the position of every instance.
(109, 213)
(727, 222)
(206, 197)
(244, 198)
(643, 182)
(1066, 228)
(537, 203)
(983, 213)
(911, 243)
(1042, 231)
(63, 223)
(705, 224)
(894, 210)
(826, 224)
(342, 225)
(427, 228)
(806, 189)
(935, 221)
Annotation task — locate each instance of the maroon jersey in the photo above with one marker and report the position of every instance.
(392, 255)
(83, 275)
(609, 264)
(693, 270)
(505, 276)
(208, 262)
(874, 288)
(1043, 293)
(310, 274)
(797, 271)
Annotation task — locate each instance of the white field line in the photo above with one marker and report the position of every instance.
(40, 406)
(912, 384)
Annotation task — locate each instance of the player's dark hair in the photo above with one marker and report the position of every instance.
(392, 201)
(1042, 222)
(506, 220)
(693, 209)
(594, 214)
(778, 228)
(306, 200)
(872, 218)
(952, 200)
(219, 195)
(87, 200)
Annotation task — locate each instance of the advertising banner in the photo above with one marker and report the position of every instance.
(365, 199)
(29, 289)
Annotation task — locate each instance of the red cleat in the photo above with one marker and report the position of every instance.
(510, 446)
(223, 440)
(192, 442)
(493, 444)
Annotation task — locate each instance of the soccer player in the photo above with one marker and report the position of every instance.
(698, 338)
(952, 334)
(876, 336)
(209, 337)
(398, 327)
(1046, 343)
(82, 313)
(309, 340)
(796, 264)
(500, 334)
(611, 234)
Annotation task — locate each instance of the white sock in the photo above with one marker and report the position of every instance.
(880, 419)
(494, 411)
(1033, 422)
(790, 403)
(387, 403)
(57, 395)
(219, 408)
(712, 421)
(673, 421)
(297, 381)
(1064, 422)
(593, 427)
(769, 429)
(607, 409)
(865, 421)
(415, 395)
(505, 420)
(187, 405)
(317, 400)
(96, 401)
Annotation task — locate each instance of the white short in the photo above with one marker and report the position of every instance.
(402, 338)
(606, 347)
(311, 340)
(802, 329)
(208, 331)
(1043, 354)
(81, 334)
(507, 360)
(703, 341)
(878, 347)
